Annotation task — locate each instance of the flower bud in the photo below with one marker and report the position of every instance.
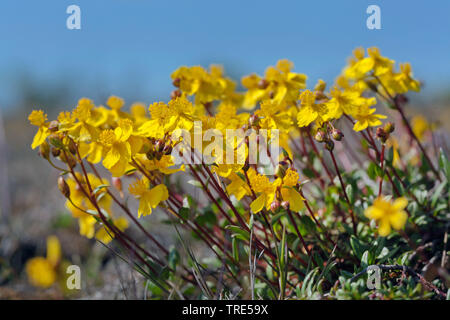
(55, 140)
(159, 145)
(117, 183)
(56, 152)
(53, 126)
(321, 96)
(381, 135)
(150, 154)
(167, 150)
(44, 150)
(71, 162)
(320, 136)
(337, 134)
(274, 206)
(63, 187)
(389, 127)
(281, 169)
(263, 84)
(72, 147)
(175, 94)
(285, 205)
(176, 82)
(253, 120)
(329, 145)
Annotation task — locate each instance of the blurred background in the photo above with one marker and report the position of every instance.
(129, 48)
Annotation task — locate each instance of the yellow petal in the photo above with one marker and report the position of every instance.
(305, 116)
(258, 204)
(40, 137)
(400, 204)
(398, 219)
(384, 227)
(294, 198)
(360, 125)
(145, 207)
(158, 194)
(112, 157)
(40, 272)
(53, 250)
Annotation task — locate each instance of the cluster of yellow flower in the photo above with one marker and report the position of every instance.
(137, 142)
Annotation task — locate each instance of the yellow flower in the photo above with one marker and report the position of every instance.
(401, 82)
(149, 198)
(272, 117)
(38, 118)
(139, 113)
(83, 130)
(375, 63)
(262, 186)
(420, 126)
(343, 102)
(311, 111)
(365, 116)
(164, 165)
(165, 118)
(388, 214)
(238, 186)
(42, 271)
(279, 84)
(118, 147)
(115, 103)
(227, 117)
(289, 192)
(207, 86)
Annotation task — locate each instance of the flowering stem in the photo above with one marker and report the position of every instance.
(311, 213)
(319, 156)
(301, 238)
(345, 192)
(408, 127)
(121, 236)
(380, 189)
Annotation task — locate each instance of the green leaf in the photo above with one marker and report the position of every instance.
(195, 183)
(371, 171)
(366, 259)
(99, 188)
(350, 193)
(444, 164)
(277, 217)
(235, 246)
(174, 258)
(437, 193)
(207, 217)
(308, 173)
(238, 232)
(184, 213)
(357, 247)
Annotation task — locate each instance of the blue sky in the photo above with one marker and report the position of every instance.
(129, 48)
